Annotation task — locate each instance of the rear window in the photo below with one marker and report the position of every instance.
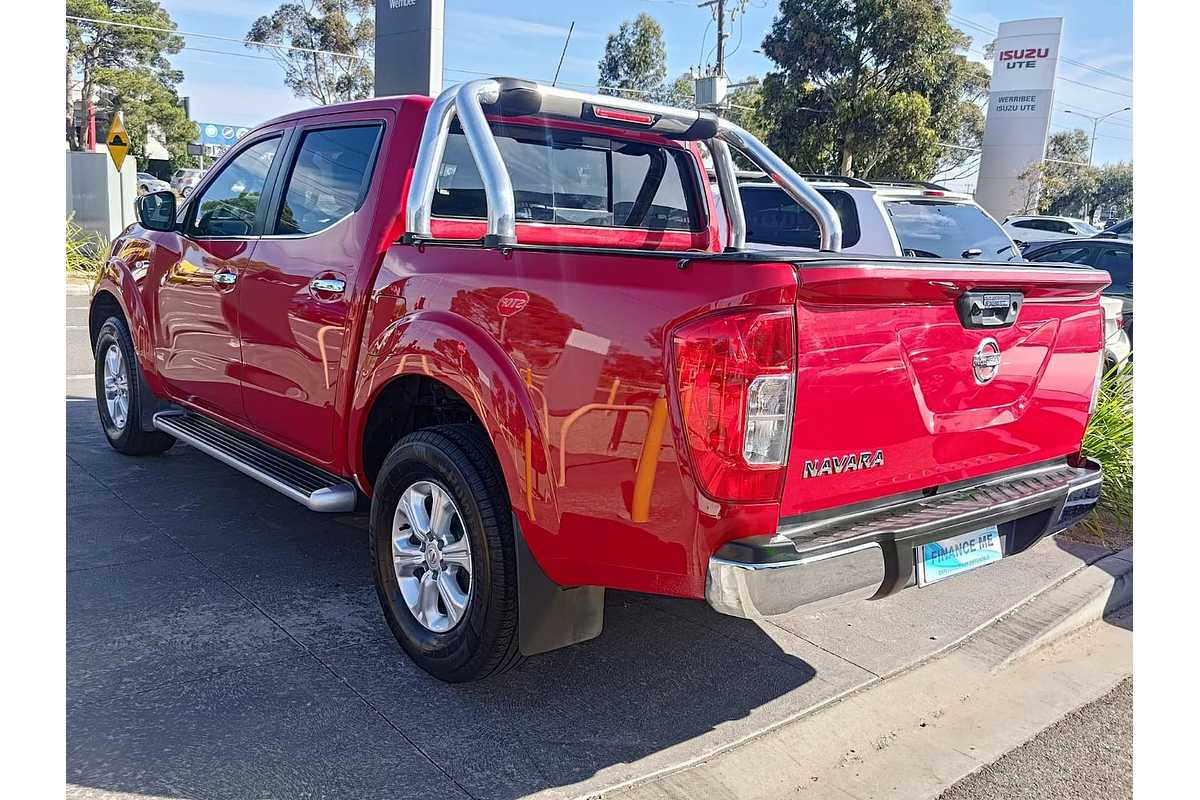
(570, 178)
(937, 229)
(1118, 263)
(773, 217)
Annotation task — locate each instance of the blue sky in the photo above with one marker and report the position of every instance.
(525, 39)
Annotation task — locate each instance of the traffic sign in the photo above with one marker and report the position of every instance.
(117, 141)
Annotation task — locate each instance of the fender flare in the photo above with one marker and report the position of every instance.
(463, 356)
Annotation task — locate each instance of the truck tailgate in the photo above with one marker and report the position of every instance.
(897, 389)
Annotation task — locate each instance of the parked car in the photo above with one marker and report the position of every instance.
(1117, 345)
(147, 183)
(1114, 256)
(888, 218)
(546, 375)
(1119, 230)
(185, 180)
(1046, 229)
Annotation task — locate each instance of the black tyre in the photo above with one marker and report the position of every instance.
(444, 555)
(118, 393)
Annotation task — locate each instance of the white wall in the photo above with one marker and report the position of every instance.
(101, 200)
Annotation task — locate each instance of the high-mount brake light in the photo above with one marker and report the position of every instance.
(619, 115)
(734, 374)
(934, 193)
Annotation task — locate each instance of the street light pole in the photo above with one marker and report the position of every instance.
(1095, 124)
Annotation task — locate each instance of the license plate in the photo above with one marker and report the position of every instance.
(938, 560)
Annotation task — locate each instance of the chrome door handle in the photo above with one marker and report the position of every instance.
(331, 285)
(224, 278)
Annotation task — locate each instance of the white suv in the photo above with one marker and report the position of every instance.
(881, 218)
(1047, 229)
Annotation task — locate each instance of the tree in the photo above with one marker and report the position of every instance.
(1114, 189)
(1064, 185)
(635, 61)
(149, 108)
(869, 86)
(100, 56)
(333, 26)
(682, 92)
(744, 107)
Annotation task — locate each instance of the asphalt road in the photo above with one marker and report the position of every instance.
(222, 641)
(1086, 756)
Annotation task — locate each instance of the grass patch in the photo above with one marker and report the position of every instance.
(1109, 440)
(86, 251)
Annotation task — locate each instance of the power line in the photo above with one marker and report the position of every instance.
(1093, 86)
(246, 42)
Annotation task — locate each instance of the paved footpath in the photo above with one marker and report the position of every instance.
(1087, 756)
(222, 641)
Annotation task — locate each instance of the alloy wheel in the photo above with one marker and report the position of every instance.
(431, 554)
(116, 386)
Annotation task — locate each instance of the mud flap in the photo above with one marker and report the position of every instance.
(552, 616)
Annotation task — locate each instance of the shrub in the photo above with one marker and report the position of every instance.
(1109, 440)
(85, 251)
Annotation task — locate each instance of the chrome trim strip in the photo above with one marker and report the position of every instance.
(338, 499)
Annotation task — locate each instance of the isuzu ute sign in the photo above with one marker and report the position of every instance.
(836, 465)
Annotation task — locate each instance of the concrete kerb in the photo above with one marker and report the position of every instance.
(1041, 660)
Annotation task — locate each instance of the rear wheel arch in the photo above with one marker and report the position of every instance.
(480, 376)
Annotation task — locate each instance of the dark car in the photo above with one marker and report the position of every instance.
(1114, 255)
(1118, 230)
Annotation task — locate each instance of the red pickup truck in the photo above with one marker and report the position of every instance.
(505, 320)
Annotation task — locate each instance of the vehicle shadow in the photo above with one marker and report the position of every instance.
(224, 642)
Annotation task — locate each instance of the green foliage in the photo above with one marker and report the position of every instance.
(148, 105)
(85, 251)
(869, 86)
(337, 26)
(745, 107)
(1064, 185)
(1109, 440)
(129, 71)
(635, 61)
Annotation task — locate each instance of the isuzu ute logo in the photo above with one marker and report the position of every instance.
(986, 361)
(836, 465)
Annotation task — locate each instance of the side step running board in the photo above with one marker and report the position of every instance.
(307, 485)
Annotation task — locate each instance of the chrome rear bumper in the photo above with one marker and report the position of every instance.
(872, 548)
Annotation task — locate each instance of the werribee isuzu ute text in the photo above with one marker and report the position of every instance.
(505, 320)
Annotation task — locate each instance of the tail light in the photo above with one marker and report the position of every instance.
(734, 377)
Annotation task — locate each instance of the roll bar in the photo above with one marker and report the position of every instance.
(470, 102)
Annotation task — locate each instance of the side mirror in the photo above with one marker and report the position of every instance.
(156, 211)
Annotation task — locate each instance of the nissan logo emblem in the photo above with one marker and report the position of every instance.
(986, 361)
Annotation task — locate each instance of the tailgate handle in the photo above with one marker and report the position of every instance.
(989, 309)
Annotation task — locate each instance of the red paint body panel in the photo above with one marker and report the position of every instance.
(569, 350)
(884, 363)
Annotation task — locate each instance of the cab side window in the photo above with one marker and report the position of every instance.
(1065, 255)
(329, 178)
(229, 204)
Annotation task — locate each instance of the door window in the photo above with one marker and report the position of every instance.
(329, 178)
(773, 217)
(229, 204)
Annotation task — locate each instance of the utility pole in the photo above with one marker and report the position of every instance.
(1095, 124)
(720, 16)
